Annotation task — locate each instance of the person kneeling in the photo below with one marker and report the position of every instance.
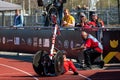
(92, 49)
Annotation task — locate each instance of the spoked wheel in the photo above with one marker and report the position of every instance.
(58, 63)
(53, 15)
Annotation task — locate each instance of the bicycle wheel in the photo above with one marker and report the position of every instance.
(53, 15)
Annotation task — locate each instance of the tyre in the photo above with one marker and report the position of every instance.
(58, 63)
(37, 62)
(52, 11)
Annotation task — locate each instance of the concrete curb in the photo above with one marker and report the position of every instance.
(15, 54)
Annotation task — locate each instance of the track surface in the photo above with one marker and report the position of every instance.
(20, 68)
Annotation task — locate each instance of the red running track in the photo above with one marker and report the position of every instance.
(12, 69)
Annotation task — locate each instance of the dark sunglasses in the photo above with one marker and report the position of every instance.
(81, 16)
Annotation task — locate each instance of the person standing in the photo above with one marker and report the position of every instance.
(68, 20)
(59, 6)
(18, 19)
(56, 8)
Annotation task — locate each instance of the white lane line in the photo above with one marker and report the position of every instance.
(87, 78)
(19, 71)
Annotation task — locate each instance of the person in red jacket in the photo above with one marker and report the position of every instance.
(92, 49)
(68, 64)
(96, 21)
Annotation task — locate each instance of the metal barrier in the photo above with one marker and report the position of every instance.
(108, 16)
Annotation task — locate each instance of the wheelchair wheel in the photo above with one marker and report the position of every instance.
(53, 15)
(58, 63)
(37, 62)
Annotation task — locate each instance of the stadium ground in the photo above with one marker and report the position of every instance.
(15, 67)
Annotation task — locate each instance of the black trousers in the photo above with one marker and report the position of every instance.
(90, 55)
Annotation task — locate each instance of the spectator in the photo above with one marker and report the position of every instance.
(78, 10)
(56, 8)
(92, 49)
(78, 7)
(83, 21)
(84, 9)
(96, 22)
(68, 64)
(18, 19)
(59, 6)
(68, 20)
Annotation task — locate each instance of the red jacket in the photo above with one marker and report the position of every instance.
(92, 42)
(95, 23)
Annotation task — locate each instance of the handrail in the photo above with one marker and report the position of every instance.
(61, 28)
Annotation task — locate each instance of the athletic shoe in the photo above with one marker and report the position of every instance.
(75, 73)
(101, 64)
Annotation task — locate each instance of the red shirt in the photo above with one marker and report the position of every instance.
(92, 42)
(94, 23)
(86, 25)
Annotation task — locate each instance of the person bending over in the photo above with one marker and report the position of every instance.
(92, 49)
